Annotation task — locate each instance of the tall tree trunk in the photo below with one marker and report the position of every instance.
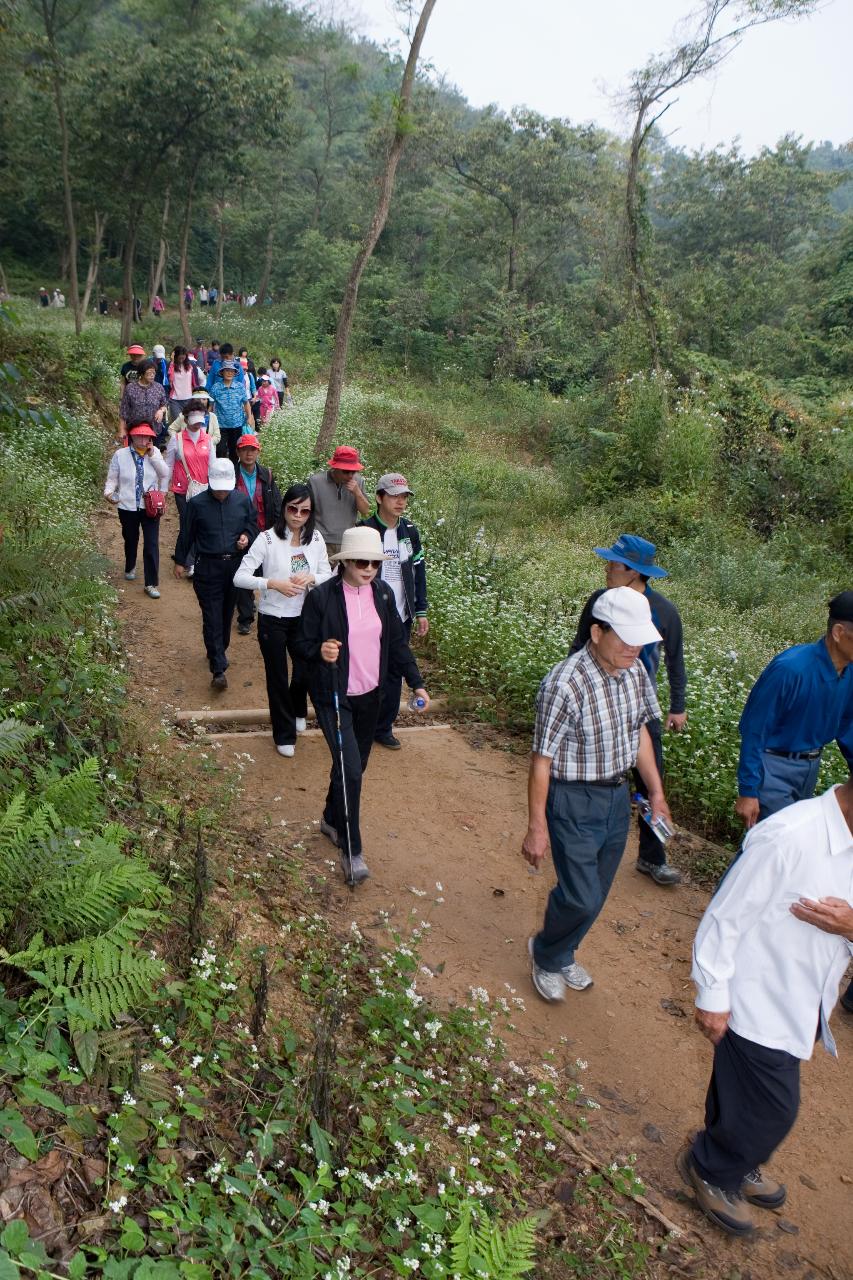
(159, 273)
(220, 263)
(182, 266)
(127, 283)
(636, 267)
(94, 261)
(265, 278)
(386, 187)
(48, 17)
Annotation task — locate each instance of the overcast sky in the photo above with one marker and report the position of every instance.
(568, 58)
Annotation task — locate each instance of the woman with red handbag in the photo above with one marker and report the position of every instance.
(136, 481)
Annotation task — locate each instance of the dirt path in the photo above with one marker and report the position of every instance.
(456, 816)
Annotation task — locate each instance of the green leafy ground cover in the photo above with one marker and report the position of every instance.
(174, 1103)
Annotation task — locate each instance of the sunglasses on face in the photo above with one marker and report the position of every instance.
(367, 564)
(297, 511)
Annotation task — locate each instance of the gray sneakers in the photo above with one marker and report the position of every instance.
(661, 872)
(550, 986)
(576, 977)
(329, 832)
(355, 870)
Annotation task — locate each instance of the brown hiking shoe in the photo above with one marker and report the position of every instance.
(726, 1209)
(766, 1192)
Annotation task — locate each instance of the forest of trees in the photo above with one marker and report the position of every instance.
(146, 146)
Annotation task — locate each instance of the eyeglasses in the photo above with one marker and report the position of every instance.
(296, 510)
(367, 564)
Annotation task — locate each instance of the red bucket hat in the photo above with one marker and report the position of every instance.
(142, 429)
(248, 441)
(345, 459)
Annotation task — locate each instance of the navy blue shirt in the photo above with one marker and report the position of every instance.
(798, 703)
(215, 526)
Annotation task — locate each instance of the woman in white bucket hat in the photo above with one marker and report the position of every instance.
(351, 636)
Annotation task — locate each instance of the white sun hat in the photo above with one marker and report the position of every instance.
(627, 612)
(361, 544)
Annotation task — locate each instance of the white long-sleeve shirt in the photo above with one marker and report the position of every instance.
(777, 975)
(276, 558)
(120, 487)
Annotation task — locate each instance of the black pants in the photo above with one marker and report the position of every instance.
(751, 1106)
(651, 849)
(358, 726)
(131, 523)
(213, 583)
(227, 447)
(391, 690)
(181, 501)
(287, 700)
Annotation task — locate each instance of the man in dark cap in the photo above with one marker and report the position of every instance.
(630, 562)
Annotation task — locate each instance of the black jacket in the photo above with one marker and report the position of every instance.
(324, 617)
(269, 492)
(214, 526)
(667, 619)
(414, 568)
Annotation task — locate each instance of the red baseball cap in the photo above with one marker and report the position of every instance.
(136, 350)
(345, 459)
(142, 429)
(248, 441)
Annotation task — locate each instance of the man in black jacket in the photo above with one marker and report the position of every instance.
(404, 570)
(631, 563)
(338, 643)
(262, 491)
(222, 524)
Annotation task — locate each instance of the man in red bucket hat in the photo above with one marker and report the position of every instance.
(339, 496)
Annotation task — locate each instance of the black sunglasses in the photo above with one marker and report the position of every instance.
(367, 564)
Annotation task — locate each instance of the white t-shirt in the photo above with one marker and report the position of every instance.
(392, 570)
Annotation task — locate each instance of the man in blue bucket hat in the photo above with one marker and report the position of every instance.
(630, 562)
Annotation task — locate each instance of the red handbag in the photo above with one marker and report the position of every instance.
(155, 503)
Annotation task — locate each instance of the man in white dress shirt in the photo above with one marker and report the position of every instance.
(769, 954)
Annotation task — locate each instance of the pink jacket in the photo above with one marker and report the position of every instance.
(198, 458)
(268, 397)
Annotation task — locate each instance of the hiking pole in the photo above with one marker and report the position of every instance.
(340, 737)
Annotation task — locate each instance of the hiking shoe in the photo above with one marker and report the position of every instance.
(660, 872)
(726, 1209)
(286, 749)
(301, 724)
(220, 681)
(550, 986)
(576, 977)
(388, 740)
(130, 575)
(329, 832)
(244, 628)
(153, 592)
(766, 1192)
(355, 869)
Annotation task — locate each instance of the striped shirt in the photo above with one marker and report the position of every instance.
(588, 722)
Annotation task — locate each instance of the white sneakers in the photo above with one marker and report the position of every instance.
(301, 724)
(153, 592)
(552, 986)
(286, 750)
(576, 977)
(130, 575)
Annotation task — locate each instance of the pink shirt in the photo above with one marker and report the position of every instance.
(182, 384)
(365, 632)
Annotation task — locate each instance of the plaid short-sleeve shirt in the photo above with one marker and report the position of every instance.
(588, 722)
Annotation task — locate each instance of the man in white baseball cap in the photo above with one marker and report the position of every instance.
(590, 731)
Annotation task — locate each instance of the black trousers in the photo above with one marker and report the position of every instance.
(287, 700)
(651, 849)
(227, 447)
(181, 501)
(131, 524)
(246, 603)
(392, 689)
(358, 726)
(213, 583)
(751, 1106)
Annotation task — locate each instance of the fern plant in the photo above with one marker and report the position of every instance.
(487, 1251)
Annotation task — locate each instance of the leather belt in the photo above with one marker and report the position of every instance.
(229, 555)
(795, 755)
(618, 781)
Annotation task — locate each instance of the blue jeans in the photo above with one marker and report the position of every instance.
(784, 782)
(588, 829)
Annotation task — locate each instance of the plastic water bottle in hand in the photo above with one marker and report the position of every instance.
(661, 827)
(416, 703)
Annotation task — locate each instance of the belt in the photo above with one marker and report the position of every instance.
(796, 755)
(618, 781)
(210, 555)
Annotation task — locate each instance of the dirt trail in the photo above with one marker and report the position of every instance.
(456, 816)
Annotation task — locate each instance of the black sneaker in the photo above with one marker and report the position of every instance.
(244, 628)
(389, 741)
(661, 872)
(220, 681)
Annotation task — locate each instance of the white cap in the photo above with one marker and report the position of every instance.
(194, 418)
(159, 351)
(361, 543)
(220, 474)
(627, 612)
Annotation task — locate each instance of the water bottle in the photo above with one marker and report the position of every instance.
(661, 827)
(416, 703)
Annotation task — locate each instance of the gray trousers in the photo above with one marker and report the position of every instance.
(784, 782)
(588, 828)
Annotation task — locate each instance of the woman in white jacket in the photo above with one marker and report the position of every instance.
(292, 558)
(134, 470)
